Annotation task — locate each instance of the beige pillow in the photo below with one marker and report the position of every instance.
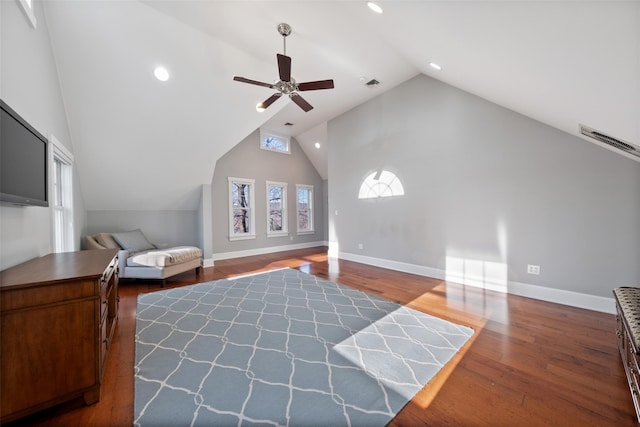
(107, 241)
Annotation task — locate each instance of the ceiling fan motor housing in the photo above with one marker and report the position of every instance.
(284, 29)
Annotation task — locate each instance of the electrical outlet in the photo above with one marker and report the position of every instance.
(360, 246)
(533, 269)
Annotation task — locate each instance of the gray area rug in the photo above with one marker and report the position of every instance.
(282, 348)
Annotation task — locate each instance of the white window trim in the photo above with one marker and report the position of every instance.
(27, 8)
(252, 215)
(58, 151)
(312, 218)
(285, 225)
(264, 134)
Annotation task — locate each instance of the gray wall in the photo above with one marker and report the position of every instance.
(248, 160)
(29, 85)
(175, 228)
(483, 183)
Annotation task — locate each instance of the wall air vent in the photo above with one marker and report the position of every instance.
(372, 83)
(611, 141)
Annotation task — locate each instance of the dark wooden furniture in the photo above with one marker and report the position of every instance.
(58, 316)
(628, 333)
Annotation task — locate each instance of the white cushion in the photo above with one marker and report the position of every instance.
(163, 258)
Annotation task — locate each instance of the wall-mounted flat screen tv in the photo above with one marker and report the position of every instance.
(23, 161)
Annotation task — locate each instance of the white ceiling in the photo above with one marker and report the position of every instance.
(141, 144)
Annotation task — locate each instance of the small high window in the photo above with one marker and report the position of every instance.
(273, 142)
(27, 8)
(381, 184)
(241, 212)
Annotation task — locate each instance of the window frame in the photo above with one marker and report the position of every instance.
(27, 7)
(62, 197)
(311, 228)
(381, 184)
(264, 134)
(251, 234)
(283, 208)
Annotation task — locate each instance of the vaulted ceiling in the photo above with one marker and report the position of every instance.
(144, 144)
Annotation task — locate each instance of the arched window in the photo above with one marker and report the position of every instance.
(381, 184)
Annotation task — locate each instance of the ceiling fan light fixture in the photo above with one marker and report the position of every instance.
(375, 7)
(260, 107)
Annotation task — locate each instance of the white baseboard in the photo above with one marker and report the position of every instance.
(394, 265)
(559, 296)
(207, 262)
(262, 251)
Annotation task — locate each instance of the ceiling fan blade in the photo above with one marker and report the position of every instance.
(284, 67)
(300, 101)
(253, 82)
(320, 84)
(273, 98)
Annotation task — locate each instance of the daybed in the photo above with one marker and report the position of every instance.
(140, 259)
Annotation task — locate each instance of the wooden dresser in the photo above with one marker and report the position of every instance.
(58, 316)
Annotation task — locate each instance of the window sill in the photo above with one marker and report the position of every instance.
(249, 237)
(303, 233)
(278, 234)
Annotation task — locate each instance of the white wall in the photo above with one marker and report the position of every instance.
(29, 85)
(487, 192)
(174, 228)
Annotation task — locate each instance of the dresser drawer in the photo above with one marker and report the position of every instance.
(36, 296)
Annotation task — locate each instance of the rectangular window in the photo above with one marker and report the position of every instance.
(304, 195)
(274, 142)
(276, 209)
(241, 212)
(62, 197)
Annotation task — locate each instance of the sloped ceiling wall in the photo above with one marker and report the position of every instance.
(145, 145)
(142, 144)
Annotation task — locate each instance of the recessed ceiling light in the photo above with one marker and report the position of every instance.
(317, 145)
(435, 66)
(374, 7)
(161, 73)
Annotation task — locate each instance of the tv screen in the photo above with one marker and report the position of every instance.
(23, 161)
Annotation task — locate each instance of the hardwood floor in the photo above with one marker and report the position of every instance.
(529, 363)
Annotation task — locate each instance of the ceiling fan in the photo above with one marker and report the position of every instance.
(286, 85)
